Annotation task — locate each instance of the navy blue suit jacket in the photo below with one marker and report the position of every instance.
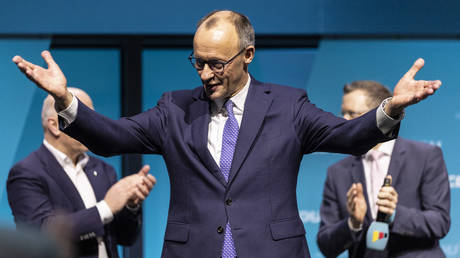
(279, 126)
(422, 213)
(39, 190)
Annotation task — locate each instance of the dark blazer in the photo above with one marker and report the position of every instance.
(39, 190)
(279, 126)
(422, 213)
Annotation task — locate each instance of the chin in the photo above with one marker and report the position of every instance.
(215, 95)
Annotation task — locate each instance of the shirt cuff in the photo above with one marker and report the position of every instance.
(350, 226)
(104, 212)
(386, 123)
(69, 114)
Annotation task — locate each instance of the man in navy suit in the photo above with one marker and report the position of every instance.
(418, 200)
(59, 183)
(232, 146)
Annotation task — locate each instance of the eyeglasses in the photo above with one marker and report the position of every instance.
(217, 66)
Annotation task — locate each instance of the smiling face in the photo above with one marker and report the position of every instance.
(221, 42)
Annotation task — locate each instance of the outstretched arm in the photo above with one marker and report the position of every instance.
(103, 136)
(322, 131)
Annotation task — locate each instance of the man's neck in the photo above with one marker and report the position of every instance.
(74, 156)
(241, 85)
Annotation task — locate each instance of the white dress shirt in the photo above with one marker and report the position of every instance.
(80, 180)
(219, 117)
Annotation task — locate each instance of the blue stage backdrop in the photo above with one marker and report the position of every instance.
(16, 102)
(318, 17)
(321, 72)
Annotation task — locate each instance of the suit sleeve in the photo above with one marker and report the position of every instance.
(334, 235)
(318, 130)
(433, 219)
(31, 205)
(142, 133)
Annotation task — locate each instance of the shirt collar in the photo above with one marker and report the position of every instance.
(386, 148)
(238, 100)
(63, 159)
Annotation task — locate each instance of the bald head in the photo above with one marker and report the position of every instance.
(240, 23)
(48, 110)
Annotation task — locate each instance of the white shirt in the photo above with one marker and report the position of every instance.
(80, 180)
(219, 117)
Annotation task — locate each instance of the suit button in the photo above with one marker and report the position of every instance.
(220, 230)
(228, 201)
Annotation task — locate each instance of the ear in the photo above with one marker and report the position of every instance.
(53, 127)
(249, 54)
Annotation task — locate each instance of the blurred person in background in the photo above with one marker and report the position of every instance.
(60, 183)
(418, 202)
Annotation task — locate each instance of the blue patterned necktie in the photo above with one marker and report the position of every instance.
(229, 138)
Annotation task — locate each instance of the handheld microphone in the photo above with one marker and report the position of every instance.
(378, 232)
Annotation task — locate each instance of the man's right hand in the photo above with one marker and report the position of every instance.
(356, 204)
(135, 187)
(52, 80)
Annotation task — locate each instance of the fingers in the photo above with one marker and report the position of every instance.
(359, 188)
(350, 197)
(387, 199)
(149, 181)
(418, 64)
(425, 89)
(354, 195)
(23, 65)
(387, 209)
(144, 170)
(48, 59)
(144, 189)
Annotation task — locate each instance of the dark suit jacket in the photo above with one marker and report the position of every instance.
(279, 126)
(39, 190)
(422, 213)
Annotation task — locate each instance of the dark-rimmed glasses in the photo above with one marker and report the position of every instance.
(217, 66)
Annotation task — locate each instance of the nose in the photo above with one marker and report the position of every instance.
(206, 74)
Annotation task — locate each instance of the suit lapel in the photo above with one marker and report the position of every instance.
(60, 176)
(397, 156)
(256, 106)
(357, 171)
(199, 119)
(96, 179)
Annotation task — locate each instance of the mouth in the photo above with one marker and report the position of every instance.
(212, 87)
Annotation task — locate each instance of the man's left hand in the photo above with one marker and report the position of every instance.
(409, 91)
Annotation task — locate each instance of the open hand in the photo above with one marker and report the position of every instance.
(409, 91)
(131, 190)
(356, 204)
(52, 80)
